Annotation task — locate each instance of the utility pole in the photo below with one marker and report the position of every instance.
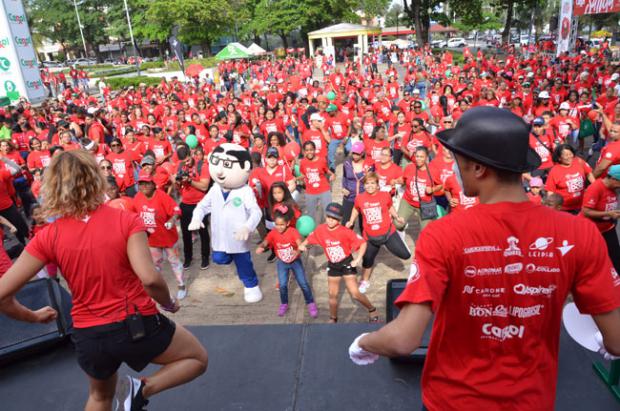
(80, 26)
(133, 42)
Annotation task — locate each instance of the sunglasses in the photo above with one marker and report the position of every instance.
(115, 145)
(106, 167)
(447, 122)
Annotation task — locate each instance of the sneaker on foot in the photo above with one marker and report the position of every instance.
(187, 264)
(128, 395)
(364, 286)
(181, 293)
(282, 310)
(313, 310)
(205, 264)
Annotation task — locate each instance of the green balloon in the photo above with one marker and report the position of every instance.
(423, 105)
(331, 96)
(441, 212)
(448, 73)
(192, 141)
(305, 225)
(296, 170)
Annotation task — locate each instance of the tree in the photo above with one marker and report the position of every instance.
(200, 22)
(279, 17)
(420, 13)
(471, 16)
(373, 8)
(392, 16)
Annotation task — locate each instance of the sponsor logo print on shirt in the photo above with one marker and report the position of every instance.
(533, 268)
(513, 248)
(471, 271)
(414, 273)
(514, 268)
(481, 249)
(615, 277)
(539, 248)
(539, 290)
(502, 333)
(565, 248)
(503, 311)
(484, 291)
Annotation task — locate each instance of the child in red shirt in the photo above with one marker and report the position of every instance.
(285, 241)
(338, 243)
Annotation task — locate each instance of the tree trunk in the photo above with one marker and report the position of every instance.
(508, 24)
(417, 12)
(284, 40)
(256, 38)
(206, 48)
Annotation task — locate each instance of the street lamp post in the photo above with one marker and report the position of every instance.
(133, 42)
(80, 26)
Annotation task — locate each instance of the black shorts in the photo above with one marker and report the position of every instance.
(102, 349)
(341, 268)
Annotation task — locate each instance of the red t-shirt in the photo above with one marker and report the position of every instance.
(600, 198)
(387, 175)
(155, 212)
(497, 287)
(452, 186)
(544, 148)
(315, 173)
(373, 148)
(611, 152)
(316, 136)
(189, 193)
(122, 166)
(92, 256)
(7, 191)
(569, 182)
(38, 159)
(284, 244)
(422, 180)
(338, 243)
(375, 212)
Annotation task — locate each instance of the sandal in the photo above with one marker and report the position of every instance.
(333, 320)
(373, 318)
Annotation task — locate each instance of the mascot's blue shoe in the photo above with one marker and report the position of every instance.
(252, 295)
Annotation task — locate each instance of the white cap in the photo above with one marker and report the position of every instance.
(316, 116)
(530, 74)
(543, 94)
(615, 76)
(565, 106)
(415, 91)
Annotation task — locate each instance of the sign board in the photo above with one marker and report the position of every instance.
(565, 26)
(19, 68)
(582, 7)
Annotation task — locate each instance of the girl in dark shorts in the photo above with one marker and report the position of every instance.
(103, 255)
(338, 243)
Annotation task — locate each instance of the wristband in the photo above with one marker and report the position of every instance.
(170, 306)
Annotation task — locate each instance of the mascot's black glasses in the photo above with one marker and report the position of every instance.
(226, 162)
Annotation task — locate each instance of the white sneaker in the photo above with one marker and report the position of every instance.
(252, 295)
(128, 395)
(364, 286)
(182, 293)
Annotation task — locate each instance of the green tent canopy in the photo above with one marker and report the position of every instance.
(233, 51)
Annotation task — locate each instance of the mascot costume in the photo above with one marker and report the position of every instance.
(234, 214)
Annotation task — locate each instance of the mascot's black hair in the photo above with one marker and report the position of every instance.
(241, 155)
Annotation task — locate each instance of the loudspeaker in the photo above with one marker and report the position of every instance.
(394, 289)
(19, 339)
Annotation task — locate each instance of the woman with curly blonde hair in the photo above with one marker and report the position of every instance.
(104, 256)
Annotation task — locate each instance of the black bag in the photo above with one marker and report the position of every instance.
(428, 209)
(379, 240)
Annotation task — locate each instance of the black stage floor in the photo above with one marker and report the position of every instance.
(280, 368)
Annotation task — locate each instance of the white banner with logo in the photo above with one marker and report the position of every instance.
(19, 68)
(564, 26)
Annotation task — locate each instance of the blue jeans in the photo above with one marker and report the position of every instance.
(331, 150)
(243, 262)
(300, 276)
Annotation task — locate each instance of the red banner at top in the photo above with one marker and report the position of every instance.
(582, 7)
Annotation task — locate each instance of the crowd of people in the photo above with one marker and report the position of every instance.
(153, 145)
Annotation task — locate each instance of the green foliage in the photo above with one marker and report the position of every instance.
(392, 19)
(114, 72)
(373, 8)
(120, 82)
(174, 66)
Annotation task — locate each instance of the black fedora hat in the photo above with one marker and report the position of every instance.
(494, 137)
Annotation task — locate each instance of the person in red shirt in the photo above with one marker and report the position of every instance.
(390, 175)
(535, 193)
(457, 200)
(38, 158)
(94, 129)
(158, 212)
(600, 204)
(109, 284)
(317, 133)
(285, 240)
(496, 285)
(122, 166)
(192, 179)
(377, 212)
(338, 126)
(338, 243)
(543, 143)
(317, 177)
(610, 154)
(568, 177)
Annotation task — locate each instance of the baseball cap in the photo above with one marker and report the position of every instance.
(536, 182)
(145, 177)
(415, 91)
(316, 117)
(614, 172)
(543, 94)
(538, 121)
(357, 147)
(615, 76)
(272, 152)
(322, 99)
(147, 160)
(331, 108)
(334, 210)
(564, 106)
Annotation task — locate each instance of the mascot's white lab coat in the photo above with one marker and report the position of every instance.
(228, 216)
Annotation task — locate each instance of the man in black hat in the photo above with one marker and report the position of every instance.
(495, 283)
